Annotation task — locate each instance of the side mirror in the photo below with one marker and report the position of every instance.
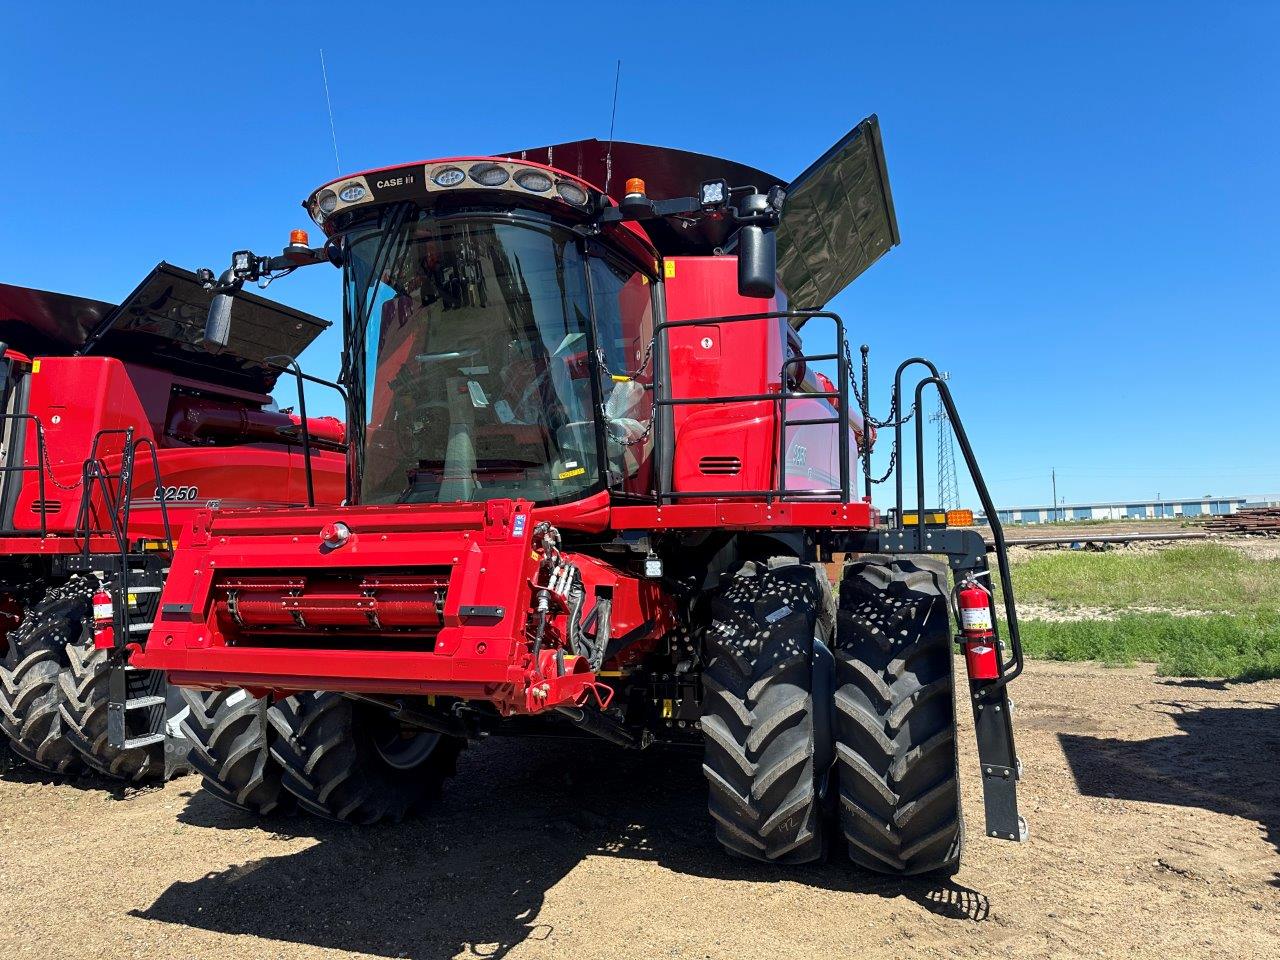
(217, 328)
(757, 253)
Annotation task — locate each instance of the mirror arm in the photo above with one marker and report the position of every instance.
(246, 266)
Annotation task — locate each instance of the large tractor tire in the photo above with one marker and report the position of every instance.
(351, 761)
(895, 717)
(228, 732)
(765, 710)
(84, 684)
(29, 690)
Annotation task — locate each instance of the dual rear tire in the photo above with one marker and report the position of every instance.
(799, 751)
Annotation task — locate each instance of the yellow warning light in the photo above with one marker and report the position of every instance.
(299, 238)
(635, 185)
(959, 518)
(932, 518)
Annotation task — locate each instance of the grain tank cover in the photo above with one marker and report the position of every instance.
(160, 323)
(838, 219)
(165, 315)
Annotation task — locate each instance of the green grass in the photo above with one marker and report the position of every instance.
(1239, 639)
(1239, 646)
(1200, 576)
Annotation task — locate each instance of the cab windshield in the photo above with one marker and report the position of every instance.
(469, 357)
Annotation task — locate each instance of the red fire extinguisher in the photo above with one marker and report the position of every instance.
(104, 631)
(977, 633)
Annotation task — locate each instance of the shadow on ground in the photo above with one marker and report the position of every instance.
(471, 878)
(1223, 758)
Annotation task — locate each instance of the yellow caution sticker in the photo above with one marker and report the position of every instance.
(668, 268)
(35, 366)
(575, 472)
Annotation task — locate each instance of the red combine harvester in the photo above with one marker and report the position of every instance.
(117, 426)
(592, 474)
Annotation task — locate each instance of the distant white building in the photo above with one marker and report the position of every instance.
(1124, 510)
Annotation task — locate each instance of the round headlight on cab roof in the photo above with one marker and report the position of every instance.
(489, 174)
(534, 180)
(570, 191)
(351, 192)
(327, 201)
(448, 177)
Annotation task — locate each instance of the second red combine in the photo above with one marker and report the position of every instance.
(593, 475)
(118, 424)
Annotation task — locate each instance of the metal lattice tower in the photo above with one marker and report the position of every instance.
(948, 486)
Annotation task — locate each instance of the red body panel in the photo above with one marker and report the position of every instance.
(478, 557)
(733, 447)
(74, 398)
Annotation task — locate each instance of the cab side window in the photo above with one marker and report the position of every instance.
(623, 301)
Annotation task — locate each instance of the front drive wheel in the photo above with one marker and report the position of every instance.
(228, 733)
(764, 740)
(352, 761)
(895, 717)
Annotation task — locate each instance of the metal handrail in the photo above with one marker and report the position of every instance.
(1011, 668)
(38, 466)
(779, 399)
(291, 365)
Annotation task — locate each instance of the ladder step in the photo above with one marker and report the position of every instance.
(145, 589)
(143, 741)
(139, 627)
(141, 703)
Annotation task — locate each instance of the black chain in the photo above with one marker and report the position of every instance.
(644, 362)
(637, 441)
(890, 421)
(48, 471)
(893, 458)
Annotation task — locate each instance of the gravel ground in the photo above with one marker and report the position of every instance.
(1154, 807)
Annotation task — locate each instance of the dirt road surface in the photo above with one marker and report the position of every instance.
(1154, 807)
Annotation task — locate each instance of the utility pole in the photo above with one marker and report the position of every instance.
(948, 486)
(1053, 472)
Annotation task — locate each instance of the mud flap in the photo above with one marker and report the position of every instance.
(993, 724)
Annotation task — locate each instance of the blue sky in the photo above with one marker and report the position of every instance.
(1087, 193)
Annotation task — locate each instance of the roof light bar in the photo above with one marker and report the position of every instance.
(423, 180)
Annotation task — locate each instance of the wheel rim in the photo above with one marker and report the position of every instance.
(404, 750)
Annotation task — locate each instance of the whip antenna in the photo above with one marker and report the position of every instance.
(333, 130)
(613, 115)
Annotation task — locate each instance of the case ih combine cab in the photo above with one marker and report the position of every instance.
(118, 425)
(592, 476)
